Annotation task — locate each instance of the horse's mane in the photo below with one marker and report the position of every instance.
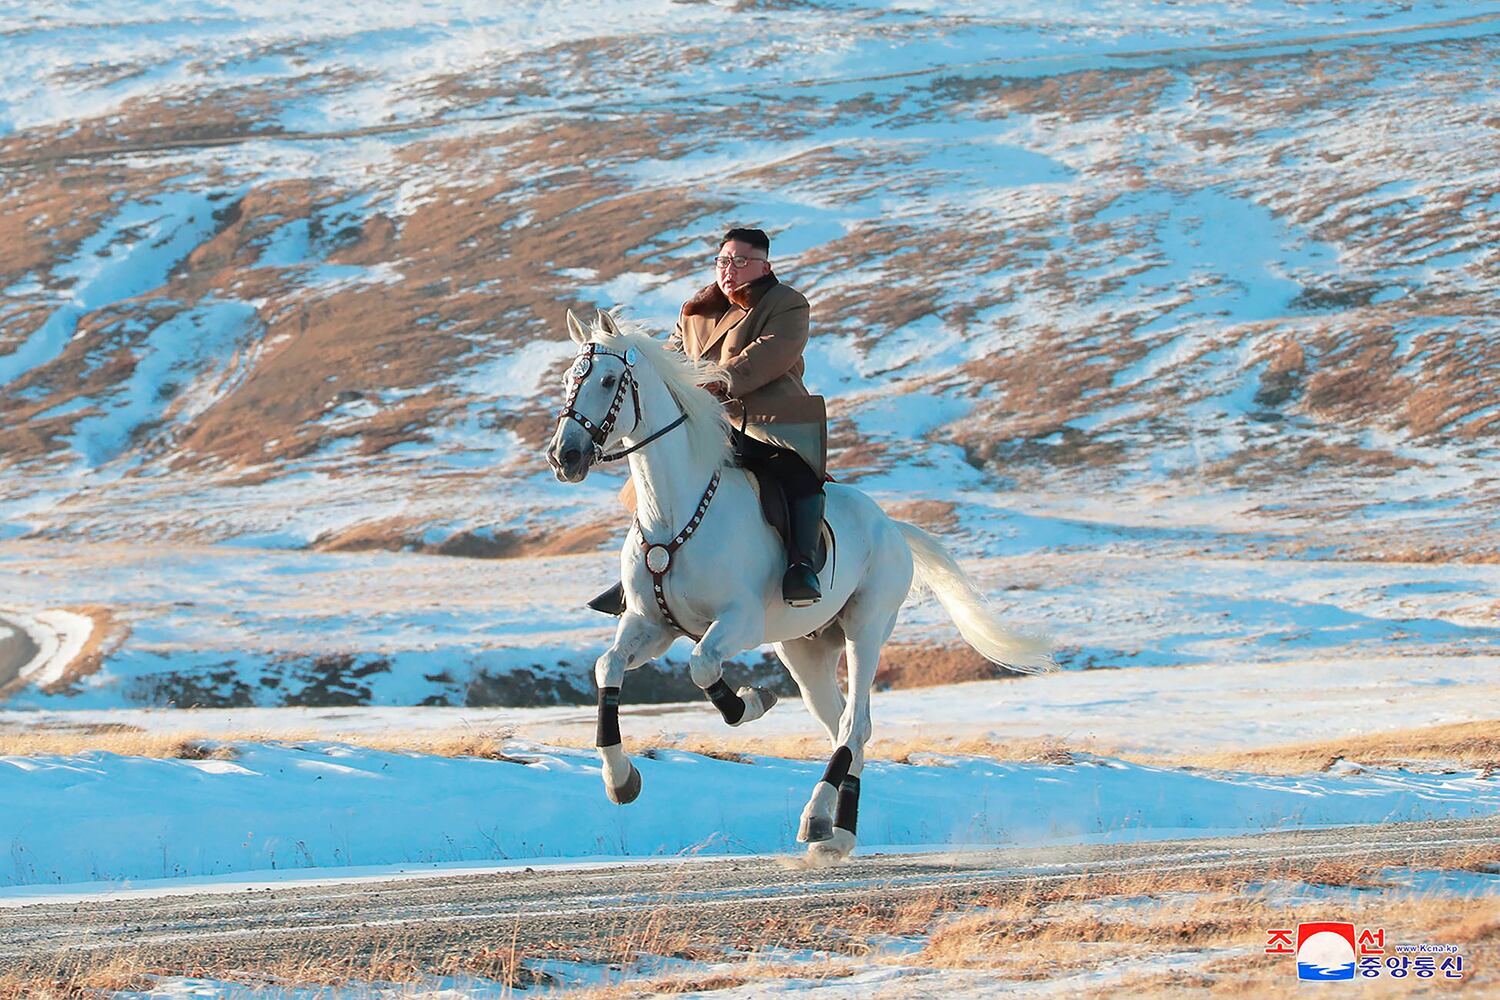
(707, 425)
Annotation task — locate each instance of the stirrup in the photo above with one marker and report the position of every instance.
(799, 587)
(611, 602)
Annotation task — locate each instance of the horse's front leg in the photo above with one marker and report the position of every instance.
(739, 628)
(637, 639)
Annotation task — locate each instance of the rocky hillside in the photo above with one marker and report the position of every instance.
(294, 278)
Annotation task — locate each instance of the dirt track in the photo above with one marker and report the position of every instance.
(577, 911)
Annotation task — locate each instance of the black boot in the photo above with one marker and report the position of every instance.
(799, 587)
(611, 602)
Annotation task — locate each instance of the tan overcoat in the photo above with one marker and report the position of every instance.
(761, 349)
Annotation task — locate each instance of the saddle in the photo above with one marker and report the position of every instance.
(775, 508)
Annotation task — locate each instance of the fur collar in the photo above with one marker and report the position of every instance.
(710, 301)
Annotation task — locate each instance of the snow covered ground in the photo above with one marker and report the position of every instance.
(1183, 324)
(261, 807)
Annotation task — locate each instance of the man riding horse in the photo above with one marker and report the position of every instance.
(756, 328)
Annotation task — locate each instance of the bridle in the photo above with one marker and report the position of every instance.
(600, 432)
(657, 557)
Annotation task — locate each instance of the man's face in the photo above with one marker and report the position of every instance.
(728, 276)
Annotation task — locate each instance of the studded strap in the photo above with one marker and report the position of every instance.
(600, 432)
(659, 557)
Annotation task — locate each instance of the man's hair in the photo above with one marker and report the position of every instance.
(756, 238)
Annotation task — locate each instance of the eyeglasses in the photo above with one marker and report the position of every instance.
(723, 262)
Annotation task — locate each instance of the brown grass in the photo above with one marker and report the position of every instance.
(906, 751)
(1426, 554)
(108, 633)
(939, 516)
(103, 977)
(398, 535)
(388, 960)
(1039, 943)
(745, 972)
(1027, 933)
(1248, 972)
(1465, 744)
(1471, 744)
(133, 742)
(1051, 928)
(919, 665)
(125, 740)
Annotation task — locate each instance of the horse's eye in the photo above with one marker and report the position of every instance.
(609, 382)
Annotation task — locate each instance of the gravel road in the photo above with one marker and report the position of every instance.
(574, 911)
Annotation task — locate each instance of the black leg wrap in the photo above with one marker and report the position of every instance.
(729, 704)
(609, 718)
(838, 767)
(846, 816)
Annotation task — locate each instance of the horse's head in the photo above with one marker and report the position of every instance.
(603, 402)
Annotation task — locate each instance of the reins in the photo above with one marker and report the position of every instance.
(615, 456)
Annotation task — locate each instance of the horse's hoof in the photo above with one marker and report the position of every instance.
(815, 829)
(626, 793)
(758, 701)
(833, 849)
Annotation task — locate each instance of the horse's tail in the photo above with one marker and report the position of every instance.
(977, 622)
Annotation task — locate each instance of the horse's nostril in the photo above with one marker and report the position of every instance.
(571, 456)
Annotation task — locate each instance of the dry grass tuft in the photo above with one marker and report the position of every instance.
(1090, 923)
(746, 972)
(1029, 941)
(383, 960)
(196, 750)
(1472, 744)
(132, 742)
(1485, 860)
(1245, 971)
(742, 749)
(127, 741)
(104, 977)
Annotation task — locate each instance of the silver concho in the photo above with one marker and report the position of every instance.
(581, 368)
(658, 558)
(631, 356)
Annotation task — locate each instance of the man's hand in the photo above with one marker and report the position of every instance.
(718, 389)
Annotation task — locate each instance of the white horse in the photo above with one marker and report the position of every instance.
(701, 561)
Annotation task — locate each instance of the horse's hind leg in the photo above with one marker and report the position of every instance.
(739, 628)
(813, 664)
(865, 637)
(637, 639)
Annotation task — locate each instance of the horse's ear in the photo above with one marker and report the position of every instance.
(608, 324)
(576, 331)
